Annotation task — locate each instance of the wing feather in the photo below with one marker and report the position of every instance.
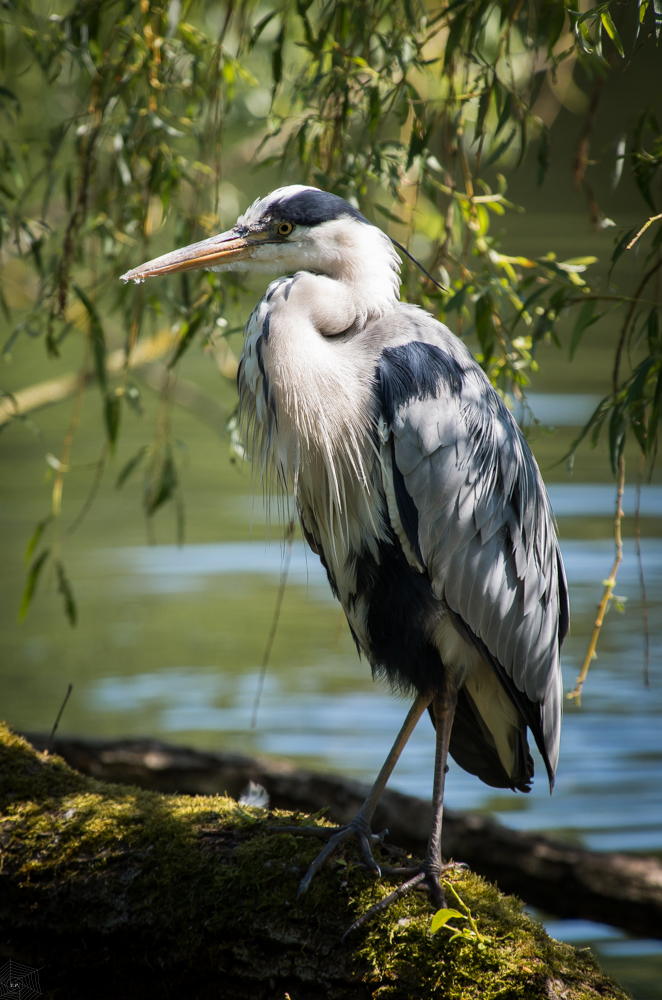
(486, 533)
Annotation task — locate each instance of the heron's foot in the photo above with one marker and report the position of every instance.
(358, 829)
(425, 877)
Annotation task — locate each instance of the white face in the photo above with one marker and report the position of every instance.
(294, 228)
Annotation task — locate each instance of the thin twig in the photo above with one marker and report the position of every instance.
(289, 536)
(58, 484)
(59, 716)
(609, 587)
(628, 319)
(642, 581)
(94, 489)
(643, 229)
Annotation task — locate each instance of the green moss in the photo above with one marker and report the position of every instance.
(199, 884)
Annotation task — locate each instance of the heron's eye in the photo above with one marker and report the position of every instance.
(285, 228)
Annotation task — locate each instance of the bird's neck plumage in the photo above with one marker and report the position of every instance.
(307, 374)
(362, 258)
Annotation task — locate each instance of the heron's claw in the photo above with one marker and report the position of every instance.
(358, 829)
(425, 877)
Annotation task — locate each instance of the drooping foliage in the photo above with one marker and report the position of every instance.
(120, 117)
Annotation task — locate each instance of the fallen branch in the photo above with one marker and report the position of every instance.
(618, 889)
(110, 891)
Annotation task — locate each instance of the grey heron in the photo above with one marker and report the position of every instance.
(413, 484)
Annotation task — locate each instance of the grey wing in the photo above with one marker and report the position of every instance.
(485, 532)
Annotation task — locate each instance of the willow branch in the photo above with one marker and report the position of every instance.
(628, 319)
(642, 579)
(609, 587)
(643, 229)
(289, 537)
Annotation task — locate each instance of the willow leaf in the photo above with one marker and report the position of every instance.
(31, 582)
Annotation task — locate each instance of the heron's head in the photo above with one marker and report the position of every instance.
(294, 228)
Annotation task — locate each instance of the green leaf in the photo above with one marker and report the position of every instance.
(166, 487)
(544, 154)
(31, 582)
(586, 318)
(483, 108)
(616, 436)
(610, 28)
(555, 27)
(506, 112)
(501, 148)
(112, 411)
(375, 108)
(259, 28)
(64, 587)
(417, 143)
(277, 59)
(454, 36)
(643, 7)
(98, 336)
(441, 918)
(577, 263)
(592, 12)
(130, 467)
(188, 333)
(657, 14)
(651, 435)
(36, 535)
(620, 248)
(652, 331)
(9, 98)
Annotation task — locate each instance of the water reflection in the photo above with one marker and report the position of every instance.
(163, 569)
(608, 787)
(567, 409)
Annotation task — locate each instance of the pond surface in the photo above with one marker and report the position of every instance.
(170, 639)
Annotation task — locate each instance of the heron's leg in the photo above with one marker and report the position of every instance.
(429, 871)
(360, 827)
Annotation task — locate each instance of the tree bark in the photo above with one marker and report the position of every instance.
(619, 889)
(115, 892)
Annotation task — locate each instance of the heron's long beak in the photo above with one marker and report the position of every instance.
(221, 249)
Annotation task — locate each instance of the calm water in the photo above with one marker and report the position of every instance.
(170, 639)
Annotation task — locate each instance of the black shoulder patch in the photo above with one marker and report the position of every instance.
(414, 371)
(311, 208)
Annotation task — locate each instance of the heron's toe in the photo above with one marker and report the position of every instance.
(358, 829)
(423, 877)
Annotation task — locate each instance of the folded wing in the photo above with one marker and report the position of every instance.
(475, 509)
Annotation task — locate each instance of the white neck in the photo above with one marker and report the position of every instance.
(361, 257)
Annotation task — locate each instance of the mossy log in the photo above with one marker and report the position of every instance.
(561, 878)
(116, 892)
